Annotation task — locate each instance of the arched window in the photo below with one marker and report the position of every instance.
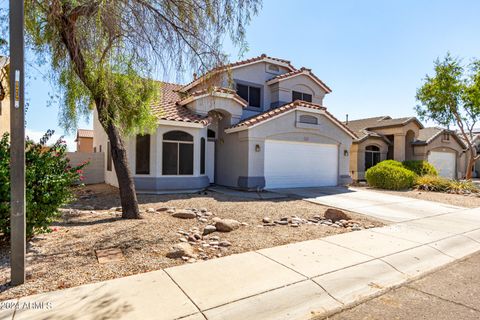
(177, 153)
(308, 119)
(372, 156)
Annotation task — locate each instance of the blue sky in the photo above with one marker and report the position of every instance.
(373, 54)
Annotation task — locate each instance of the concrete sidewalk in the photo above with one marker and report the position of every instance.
(295, 281)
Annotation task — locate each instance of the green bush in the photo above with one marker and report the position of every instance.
(48, 178)
(390, 175)
(390, 163)
(420, 167)
(440, 184)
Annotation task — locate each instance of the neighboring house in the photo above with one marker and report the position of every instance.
(476, 143)
(262, 126)
(400, 139)
(84, 140)
(4, 97)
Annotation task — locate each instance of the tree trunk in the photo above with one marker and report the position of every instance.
(128, 197)
(471, 164)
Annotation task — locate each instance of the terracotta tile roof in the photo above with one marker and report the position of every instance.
(232, 93)
(168, 109)
(287, 107)
(84, 133)
(236, 64)
(300, 72)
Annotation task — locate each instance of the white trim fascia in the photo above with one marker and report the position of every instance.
(180, 124)
(306, 73)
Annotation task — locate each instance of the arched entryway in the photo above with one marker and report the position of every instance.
(409, 139)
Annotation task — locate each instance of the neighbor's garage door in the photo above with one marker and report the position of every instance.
(444, 162)
(295, 164)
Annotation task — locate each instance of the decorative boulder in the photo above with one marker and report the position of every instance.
(184, 214)
(180, 250)
(227, 225)
(336, 215)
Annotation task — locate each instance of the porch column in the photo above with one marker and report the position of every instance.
(399, 147)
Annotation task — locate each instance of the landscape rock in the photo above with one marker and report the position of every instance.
(281, 222)
(336, 214)
(227, 225)
(180, 250)
(267, 220)
(184, 214)
(224, 243)
(162, 209)
(209, 229)
(203, 210)
(150, 210)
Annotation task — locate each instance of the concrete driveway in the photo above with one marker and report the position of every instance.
(375, 204)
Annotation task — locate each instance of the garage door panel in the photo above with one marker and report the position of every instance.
(444, 162)
(293, 164)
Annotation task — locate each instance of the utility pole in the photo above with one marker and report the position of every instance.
(17, 143)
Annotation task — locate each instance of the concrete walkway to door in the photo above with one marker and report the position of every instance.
(375, 204)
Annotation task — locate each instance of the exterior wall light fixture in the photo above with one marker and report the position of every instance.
(257, 148)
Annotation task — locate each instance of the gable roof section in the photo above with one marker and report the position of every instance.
(215, 92)
(427, 135)
(365, 127)
(263, 57)
(168, 109)
(299, 72)
(273, 113)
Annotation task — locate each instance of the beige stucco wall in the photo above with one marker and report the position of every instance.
(357, 156)
(399, 134)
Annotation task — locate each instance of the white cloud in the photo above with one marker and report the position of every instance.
(37, 135)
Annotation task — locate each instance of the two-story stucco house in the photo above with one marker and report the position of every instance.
(4, 97)
(263, 125)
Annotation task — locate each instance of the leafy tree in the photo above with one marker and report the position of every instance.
(452, 97)
(102, 53)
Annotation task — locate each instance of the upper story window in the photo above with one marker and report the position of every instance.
(297, 95)
(250, 94)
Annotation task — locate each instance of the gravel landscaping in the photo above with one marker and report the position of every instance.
(174, 229)
(467, 201)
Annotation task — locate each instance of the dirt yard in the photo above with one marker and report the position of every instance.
(66, 257)
(467, 201)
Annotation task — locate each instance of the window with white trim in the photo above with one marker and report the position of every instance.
(297, 95)
(177, 155)
(250, 94)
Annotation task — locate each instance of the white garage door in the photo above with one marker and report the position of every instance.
(444, 162)
(295, 164)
